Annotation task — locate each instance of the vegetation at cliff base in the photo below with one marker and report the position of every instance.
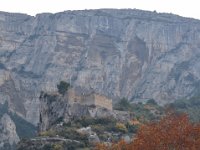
(143, 112)
(172, 132)
(189, 106)
(148, 126)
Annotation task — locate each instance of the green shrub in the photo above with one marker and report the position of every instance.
(47, 147)
(63, 87)
(123, 105)
(151, 102)
(131, 128)
(87, 121)
(74, 146)
(71, 133)
(50, 133)
(121, 127)
(57, 146)
(99, 129)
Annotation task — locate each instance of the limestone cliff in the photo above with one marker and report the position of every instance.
(8, 135)
(119, 53)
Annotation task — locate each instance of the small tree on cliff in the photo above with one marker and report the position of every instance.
(63, 87)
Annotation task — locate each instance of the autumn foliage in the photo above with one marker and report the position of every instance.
(173, 132)
(121, 145)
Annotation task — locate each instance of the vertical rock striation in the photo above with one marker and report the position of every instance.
(8, 132)
(119, 53)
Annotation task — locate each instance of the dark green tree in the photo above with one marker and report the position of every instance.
(151, 102)
(63, 87)
(123, 105)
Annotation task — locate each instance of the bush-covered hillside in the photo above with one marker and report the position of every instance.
(144, 112)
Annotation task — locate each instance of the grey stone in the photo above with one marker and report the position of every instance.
(86, 131)
(119, 53)
(93, 139)
(126, 138)
(8, 131)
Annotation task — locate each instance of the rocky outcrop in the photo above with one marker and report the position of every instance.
(52, 108)
(8, 135)
(55, 109)
(92, 136)
(118, 53)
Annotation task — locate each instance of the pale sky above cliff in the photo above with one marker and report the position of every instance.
(187, 8)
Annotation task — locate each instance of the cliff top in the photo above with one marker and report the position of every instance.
(116, 13)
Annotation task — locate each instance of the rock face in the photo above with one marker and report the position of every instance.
(92, 136)
(119, 53)
(8, 132)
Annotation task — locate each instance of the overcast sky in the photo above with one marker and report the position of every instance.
(187, 8)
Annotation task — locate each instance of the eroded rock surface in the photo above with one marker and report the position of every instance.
(119, 53)
(8, 133)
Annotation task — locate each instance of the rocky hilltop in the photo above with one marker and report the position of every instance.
(56, 108)
(119, 53)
